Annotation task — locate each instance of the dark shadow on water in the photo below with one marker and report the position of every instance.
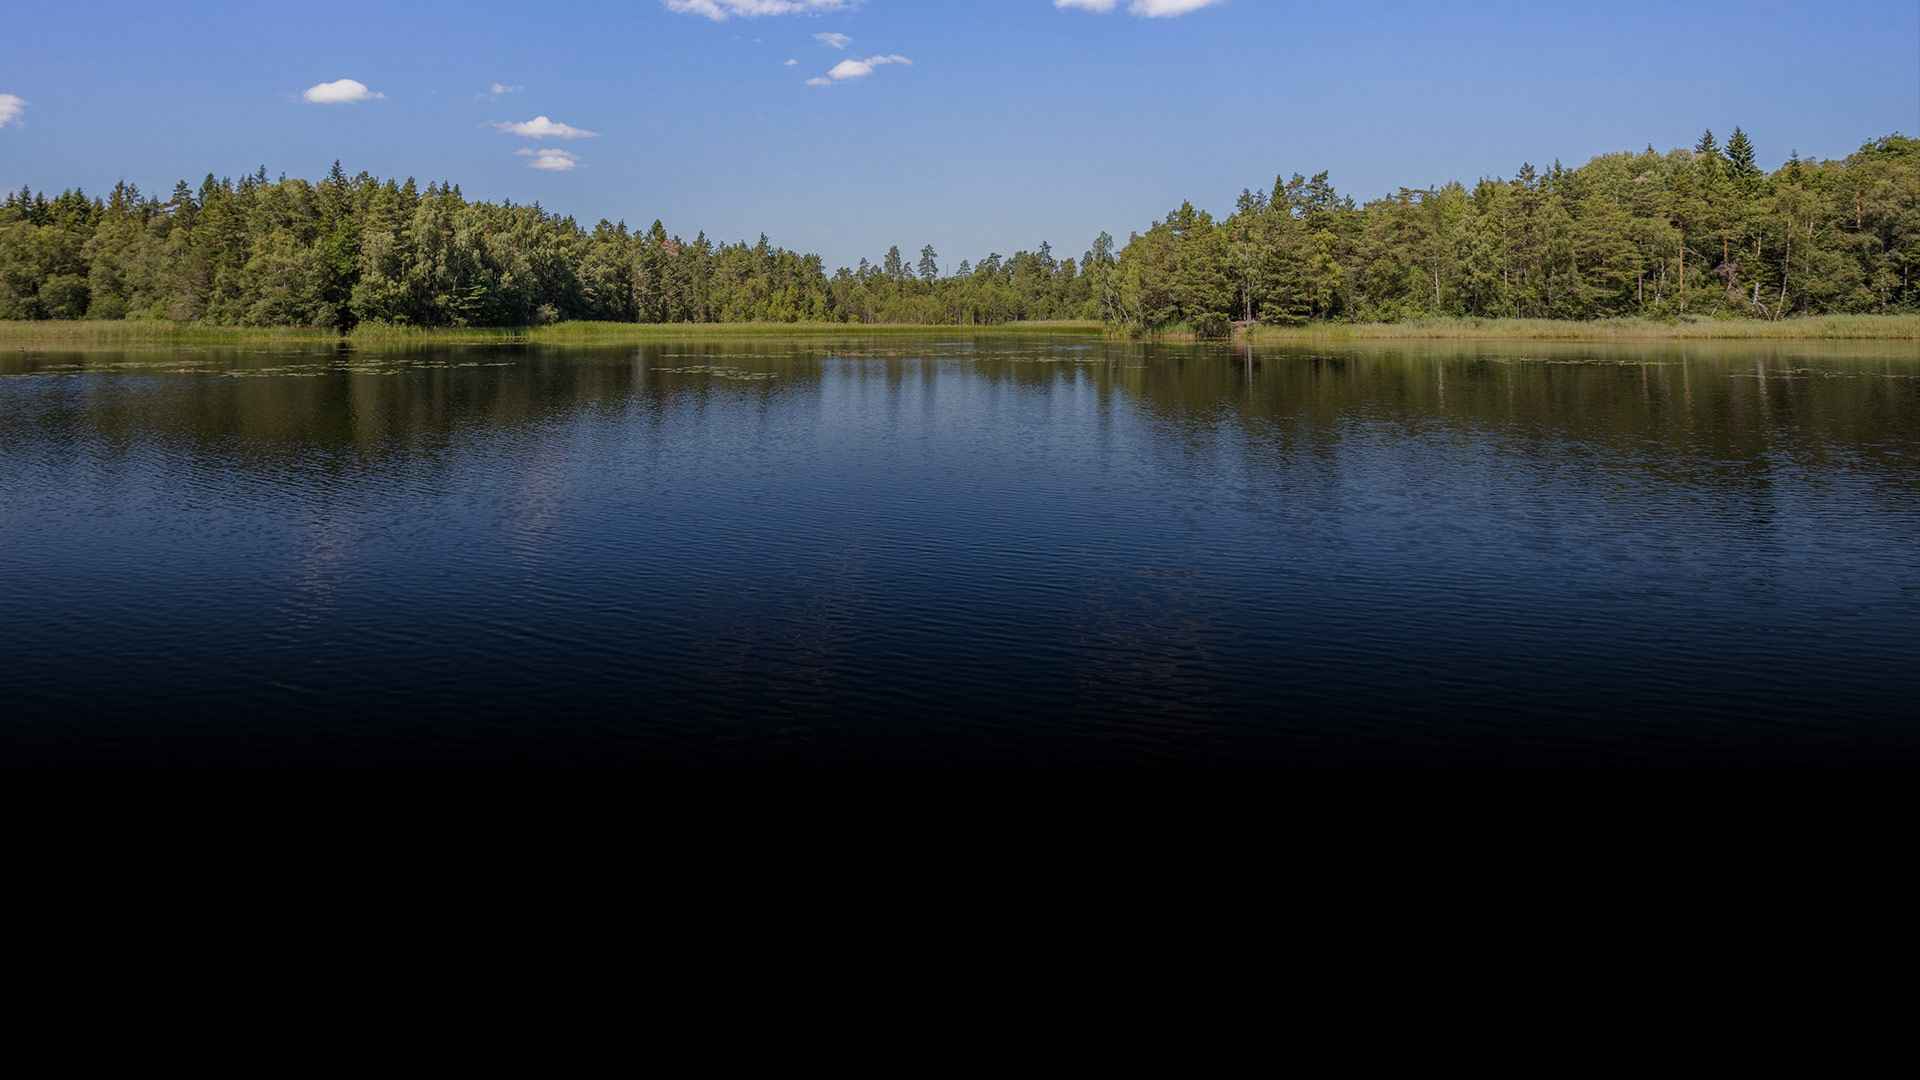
(1035, 551)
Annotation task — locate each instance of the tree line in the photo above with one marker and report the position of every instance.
(354, 249)
(1699, 231)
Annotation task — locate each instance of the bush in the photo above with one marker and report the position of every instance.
(1212, 325)
(64, 296)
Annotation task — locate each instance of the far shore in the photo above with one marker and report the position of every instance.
(148, 333)
(104, 334)
(1810, 328)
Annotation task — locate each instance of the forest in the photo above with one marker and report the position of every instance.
(1701, 231)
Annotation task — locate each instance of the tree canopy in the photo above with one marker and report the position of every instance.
(1691, 231)
(1698, 231)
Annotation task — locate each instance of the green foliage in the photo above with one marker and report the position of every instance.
(352, 250)
(1699, 232)
(1211, 325)
(1692, 232)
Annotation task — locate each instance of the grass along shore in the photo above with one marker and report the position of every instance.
(110, 334)
(1810, 328)
(147, 333)
(608, 333)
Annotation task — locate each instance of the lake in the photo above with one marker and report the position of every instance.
(1045, 550)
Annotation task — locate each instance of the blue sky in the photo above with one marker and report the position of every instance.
(989, 125)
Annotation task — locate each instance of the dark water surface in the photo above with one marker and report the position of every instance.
(944, 550)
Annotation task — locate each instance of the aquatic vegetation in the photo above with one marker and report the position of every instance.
(1580, 361)
(719, 371)
(1818, 373)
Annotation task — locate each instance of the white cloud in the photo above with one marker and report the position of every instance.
(722, 10)
(819, 81)
(1146, 9)
(549, 159)
(498, 89)
(833, 41)
(340, 92)
(11, 106)
(860, 69)
(1167, 9)
(541, 127)
(791, 63)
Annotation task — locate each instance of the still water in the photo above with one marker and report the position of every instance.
(1031, 550)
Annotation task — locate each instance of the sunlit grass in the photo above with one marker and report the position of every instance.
(605, 332)
(123, 334)
(1812, 328)
(103, 333)
(376, 334)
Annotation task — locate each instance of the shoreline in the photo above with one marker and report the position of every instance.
(1809, 328)
(102, 334)
(55, 335)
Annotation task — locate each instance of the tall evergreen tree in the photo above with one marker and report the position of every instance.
(1740, 155)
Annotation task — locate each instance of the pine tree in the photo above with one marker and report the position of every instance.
(1740, 155)
(183, 207)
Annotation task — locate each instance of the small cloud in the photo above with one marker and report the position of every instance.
(1168, 9)
(819, 81)
(722, 10)
(1146, 9)
(860, 69)
(549, 159)
(541, 127)
(791, 63)
(833, 41)
(11, 106)
(499, 89)
(340, 92)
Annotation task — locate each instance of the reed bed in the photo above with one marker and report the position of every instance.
(1812, 328)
